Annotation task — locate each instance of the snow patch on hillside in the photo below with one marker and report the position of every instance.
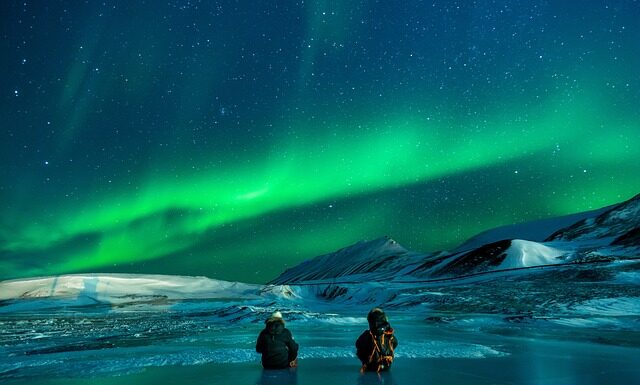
(526, 254)
(536, 231)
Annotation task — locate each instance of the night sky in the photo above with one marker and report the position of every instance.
(234, 139)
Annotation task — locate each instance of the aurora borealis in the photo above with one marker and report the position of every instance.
(234, 139)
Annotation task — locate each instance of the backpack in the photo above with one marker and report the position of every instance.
(382, 355)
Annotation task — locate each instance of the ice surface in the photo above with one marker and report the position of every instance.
(629, 277)
(195, 354)
(118, 343)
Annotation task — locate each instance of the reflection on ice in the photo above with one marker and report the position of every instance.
(278, 377)
(383, 378)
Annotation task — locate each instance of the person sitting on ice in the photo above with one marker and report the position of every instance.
(375, 347)
(276, 344)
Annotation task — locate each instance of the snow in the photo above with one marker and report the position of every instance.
(629, 211)
(611, 307)
(116, 288)
(536, 231)
(526, 254)
(596, 323)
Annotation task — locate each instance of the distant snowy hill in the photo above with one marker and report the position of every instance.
(116, 290)
(123, 287)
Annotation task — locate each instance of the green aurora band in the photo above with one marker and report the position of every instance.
(405, 151)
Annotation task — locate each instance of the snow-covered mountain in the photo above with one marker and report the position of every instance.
(383, 257)
(583, 274)
(611, 233)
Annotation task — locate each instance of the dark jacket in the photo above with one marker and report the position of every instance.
(375, 347)
(276, 345)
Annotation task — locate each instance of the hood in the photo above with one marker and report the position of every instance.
(378, 322)
(274, 325)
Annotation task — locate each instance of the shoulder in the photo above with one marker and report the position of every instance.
(365, 336)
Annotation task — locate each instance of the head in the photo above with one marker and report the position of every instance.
(276, 315)
(378, 321)
(275, 323)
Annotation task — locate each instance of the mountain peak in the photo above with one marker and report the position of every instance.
(378, 244)
(359, 258)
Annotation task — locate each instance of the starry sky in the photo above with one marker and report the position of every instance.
(234, 139)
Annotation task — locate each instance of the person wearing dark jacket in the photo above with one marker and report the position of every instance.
(276, 344)
(375, 347)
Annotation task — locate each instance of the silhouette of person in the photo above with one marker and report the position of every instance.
(375, 347)
(276, 344)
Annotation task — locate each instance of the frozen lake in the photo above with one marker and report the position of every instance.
(165, 347)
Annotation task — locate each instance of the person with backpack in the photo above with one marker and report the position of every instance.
(375, 347)
(276, 344)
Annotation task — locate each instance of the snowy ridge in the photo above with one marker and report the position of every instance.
(615, 222)
(117, 288)
(382, 256)
(537, 231)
